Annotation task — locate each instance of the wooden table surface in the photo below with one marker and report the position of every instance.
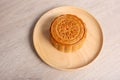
(18, 59)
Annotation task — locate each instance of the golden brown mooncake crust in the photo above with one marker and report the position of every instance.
(67, 32)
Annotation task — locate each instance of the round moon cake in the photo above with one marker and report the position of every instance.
(67, 33)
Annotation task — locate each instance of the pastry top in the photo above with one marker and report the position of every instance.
(67, 29)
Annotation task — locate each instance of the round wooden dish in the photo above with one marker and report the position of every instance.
(67, 61)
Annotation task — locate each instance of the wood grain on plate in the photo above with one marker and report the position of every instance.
(59, 60)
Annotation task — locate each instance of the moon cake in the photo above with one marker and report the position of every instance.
(68, 33)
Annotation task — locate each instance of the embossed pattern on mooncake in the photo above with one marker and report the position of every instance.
(68, 33)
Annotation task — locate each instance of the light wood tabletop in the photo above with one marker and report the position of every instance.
(18, 58)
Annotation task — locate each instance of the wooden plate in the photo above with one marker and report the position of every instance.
(67, 61)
